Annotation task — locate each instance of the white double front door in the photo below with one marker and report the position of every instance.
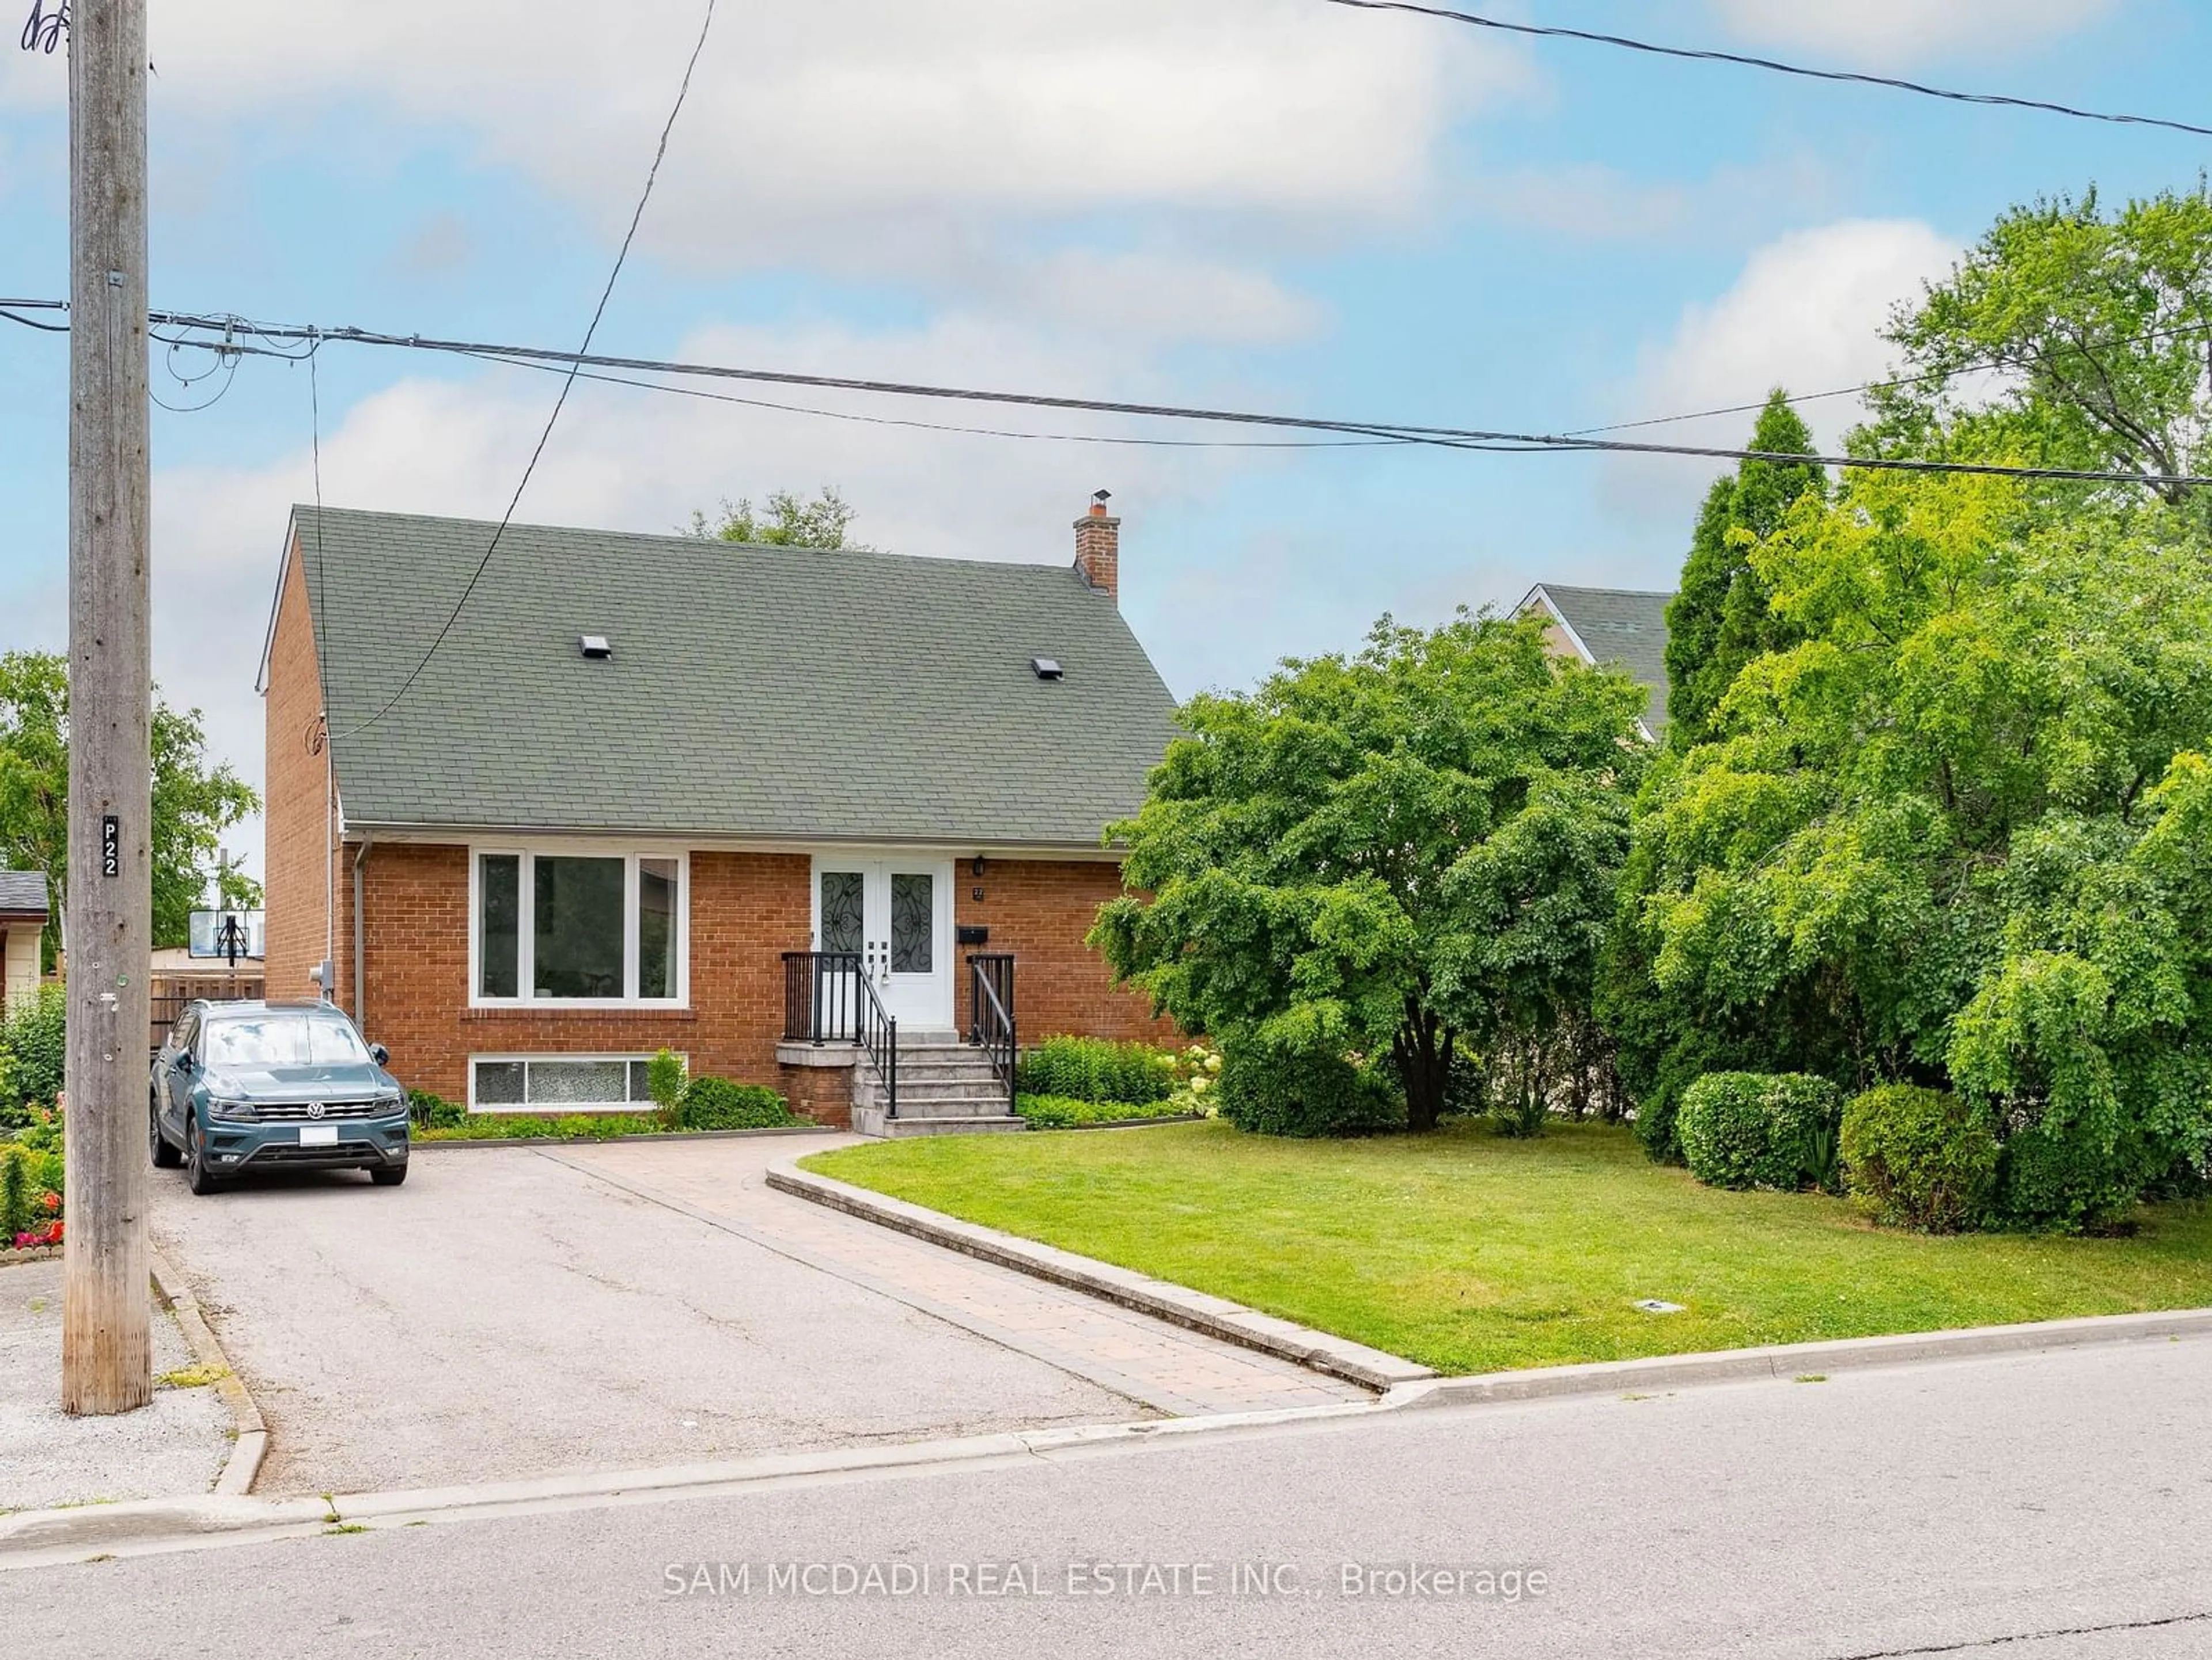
(895, 913)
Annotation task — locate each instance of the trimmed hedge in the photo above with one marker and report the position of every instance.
(716, 1103)
(1293, 1075)
(1757, 1129)
(1098, 1069)
(1920, 1158)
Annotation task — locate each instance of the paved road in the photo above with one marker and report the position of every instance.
(509, 1313)
(1962, 1508)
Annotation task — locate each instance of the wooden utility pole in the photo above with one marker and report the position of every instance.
(107, 1359)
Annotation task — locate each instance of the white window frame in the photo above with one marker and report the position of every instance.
(527, 1108)
(525, 930)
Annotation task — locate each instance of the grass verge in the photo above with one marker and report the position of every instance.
(1470, 1253)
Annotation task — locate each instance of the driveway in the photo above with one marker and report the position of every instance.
(516, 1312)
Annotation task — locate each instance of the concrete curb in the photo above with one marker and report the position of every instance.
(1216, 1316)
(45, 1538)
(415, 1144)
(250, 1433)
(1791, 1360)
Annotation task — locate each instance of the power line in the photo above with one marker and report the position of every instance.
(1379, 434)
(1507, 442)
(622, 256)
(943, 425)
(1969, 366)
(1462, 438)
(1697, 54)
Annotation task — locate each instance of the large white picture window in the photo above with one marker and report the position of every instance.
(586, 927)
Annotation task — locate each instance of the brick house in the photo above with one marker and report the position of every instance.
(760, 806)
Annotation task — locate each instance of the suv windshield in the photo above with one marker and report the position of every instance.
(280, 1040)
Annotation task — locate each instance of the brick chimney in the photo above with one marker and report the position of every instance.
(1098, 549)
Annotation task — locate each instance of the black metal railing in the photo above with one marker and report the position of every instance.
(828, 998)
(991, 1016)
(821, 999)
(879, 1037)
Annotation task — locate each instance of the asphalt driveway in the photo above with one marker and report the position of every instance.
(506, 1314)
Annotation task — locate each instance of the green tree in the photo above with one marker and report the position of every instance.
(785, 522)
(1956, 835)
(1719, 619)
(2068, 337)
(194, 802)
(1414, 848)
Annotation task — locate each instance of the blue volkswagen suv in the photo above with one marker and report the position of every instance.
(240, 1087)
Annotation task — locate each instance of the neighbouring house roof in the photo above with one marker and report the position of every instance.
(752, 691)
(23, 894)
(1613, 628)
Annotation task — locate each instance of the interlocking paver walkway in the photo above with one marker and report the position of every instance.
(1162, 1365)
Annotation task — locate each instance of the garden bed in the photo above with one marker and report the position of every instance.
(1471, 1253)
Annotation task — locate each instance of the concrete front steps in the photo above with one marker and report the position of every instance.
(945, 1087)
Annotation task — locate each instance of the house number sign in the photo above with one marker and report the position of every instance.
(111, 846)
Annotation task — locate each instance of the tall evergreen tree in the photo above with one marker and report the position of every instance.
(1719, 620)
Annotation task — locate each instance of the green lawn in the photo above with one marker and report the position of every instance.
(1470, 1253)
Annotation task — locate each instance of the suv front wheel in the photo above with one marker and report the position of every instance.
(197, 1176)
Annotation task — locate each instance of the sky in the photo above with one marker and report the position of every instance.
(1277, 204)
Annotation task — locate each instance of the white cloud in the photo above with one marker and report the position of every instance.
(857, 127)
(1805, 313)
(1162, 297)
(630, 459)
(1891, 33)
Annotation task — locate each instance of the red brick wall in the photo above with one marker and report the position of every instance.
(1040, 910)
(822, 1093)
(747, 909)
(295, 805)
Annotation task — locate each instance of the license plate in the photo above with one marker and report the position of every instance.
(318, 1135)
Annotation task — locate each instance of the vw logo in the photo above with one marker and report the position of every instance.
(315, 1109)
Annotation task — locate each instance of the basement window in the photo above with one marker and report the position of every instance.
(1045, 668)
(558, 1083)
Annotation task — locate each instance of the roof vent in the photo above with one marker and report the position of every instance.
(595, 647)
(1045, 668)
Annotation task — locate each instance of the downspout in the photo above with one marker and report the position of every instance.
(360, 953)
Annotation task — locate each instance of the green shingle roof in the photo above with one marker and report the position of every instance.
(1620, 628)
(753, 692)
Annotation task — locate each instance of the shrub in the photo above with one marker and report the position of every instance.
(1099, 1069)
(664, 1082)
(716, 1103)
(434, 1112)
(1756, 1130)
(1807, 1114)
(1919, 1158)
(1293, 1075)
(15, 1196)
(1054, 1112)
(35, 1034)
(1728, 1136)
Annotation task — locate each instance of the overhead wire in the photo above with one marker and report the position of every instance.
(1746, 60)
(599, 312)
